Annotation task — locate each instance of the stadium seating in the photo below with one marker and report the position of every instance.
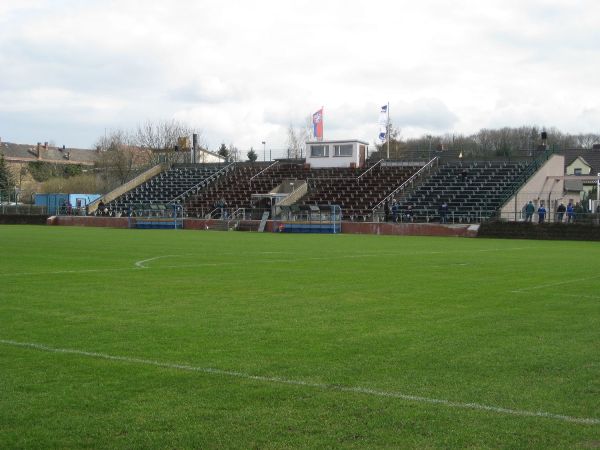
(340, 186)
(473, 191)
(164, 187)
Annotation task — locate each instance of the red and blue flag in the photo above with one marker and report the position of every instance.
(317, 120)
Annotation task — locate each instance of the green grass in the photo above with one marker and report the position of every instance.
(507, 324)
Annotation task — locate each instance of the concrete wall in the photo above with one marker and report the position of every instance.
(547, 231)
(543, 186)
(405, 229)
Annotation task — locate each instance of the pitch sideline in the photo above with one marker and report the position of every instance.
(278, 380)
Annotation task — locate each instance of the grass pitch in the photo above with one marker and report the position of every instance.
(178, 339)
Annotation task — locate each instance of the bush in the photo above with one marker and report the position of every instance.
(40, 170)
(72, 170)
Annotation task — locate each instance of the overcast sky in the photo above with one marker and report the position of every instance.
(243, 71)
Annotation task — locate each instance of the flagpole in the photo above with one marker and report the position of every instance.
(387, 130)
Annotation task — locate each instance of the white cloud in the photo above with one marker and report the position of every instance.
(243, 71)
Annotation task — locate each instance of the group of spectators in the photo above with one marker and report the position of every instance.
(395, 213)
(563, 213)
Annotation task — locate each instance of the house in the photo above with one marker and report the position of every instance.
(584, 163)
(17, 154)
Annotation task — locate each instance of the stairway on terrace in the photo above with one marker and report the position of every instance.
(356, 196)
(237, 187)
(472, 190)
(164, 187)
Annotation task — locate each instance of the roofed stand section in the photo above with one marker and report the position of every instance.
(473, 191)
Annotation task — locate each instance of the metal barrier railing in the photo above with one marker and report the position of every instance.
(409, 183)
(204, 182)
(20, 209)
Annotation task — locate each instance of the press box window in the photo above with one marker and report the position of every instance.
(319, 151)
(342, 150)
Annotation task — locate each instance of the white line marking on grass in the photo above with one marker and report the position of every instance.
(558, 283)
(59, 272)
(332, 387)
(141, 264)
(562, 294)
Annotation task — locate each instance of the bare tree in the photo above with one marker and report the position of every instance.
(297, 137)
(293, 142)
(587, 140)
(118, 157)
(159, 139)
(234, 153)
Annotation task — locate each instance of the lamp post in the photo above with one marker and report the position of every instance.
(264, 150)
(429, 137)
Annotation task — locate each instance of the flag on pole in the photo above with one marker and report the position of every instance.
(383, 123)
(317, 120)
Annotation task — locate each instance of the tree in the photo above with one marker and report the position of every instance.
(224, 152)
(117, 155)
(234, 153)
(297, 138)
(587, 140)
(159, 139)
(252, 156)
(41, 171)
(7, 182)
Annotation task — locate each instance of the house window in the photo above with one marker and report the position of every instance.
(342, 150)
(577, 171)
(319, 151)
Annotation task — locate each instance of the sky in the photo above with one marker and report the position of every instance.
(242, 72)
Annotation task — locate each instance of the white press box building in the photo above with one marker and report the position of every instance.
(349, 153)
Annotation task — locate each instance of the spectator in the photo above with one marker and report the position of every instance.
(395, 212)
(69, 208)
(560, 212)
(541, 213)
(409, 213)
(444, 213)
(529, 210)
(570, 212)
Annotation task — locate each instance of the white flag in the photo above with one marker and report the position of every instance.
(383, 122)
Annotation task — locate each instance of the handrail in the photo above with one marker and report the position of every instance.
(264, 170)
(136, 181)
(215, 175)
(369, 169)
(209, 215)
(403, 185)
(234, 216)
(527, 173)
